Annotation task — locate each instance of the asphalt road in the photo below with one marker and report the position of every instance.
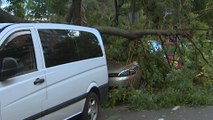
(176, 113)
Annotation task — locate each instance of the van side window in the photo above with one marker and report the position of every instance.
(19, 45)
(64, 46)
(88, 45)
(58, 47)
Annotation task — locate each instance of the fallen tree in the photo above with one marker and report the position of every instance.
(134, 34)
(129, 34)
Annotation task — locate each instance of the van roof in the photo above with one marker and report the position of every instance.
(47, 25)
(2, 25)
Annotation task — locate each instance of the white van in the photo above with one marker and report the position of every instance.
(51, 72)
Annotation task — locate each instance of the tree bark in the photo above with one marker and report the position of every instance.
(69, 15)
(74, 13)
(132, 7)
(134, 34)
(76, 20)
(116, 12)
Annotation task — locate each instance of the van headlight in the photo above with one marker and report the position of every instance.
(128, 71)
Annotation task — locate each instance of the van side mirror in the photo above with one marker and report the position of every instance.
(9, 67)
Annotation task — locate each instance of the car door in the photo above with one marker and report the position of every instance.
(64, 93)
(22, 95)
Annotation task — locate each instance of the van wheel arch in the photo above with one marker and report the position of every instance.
(96, 91)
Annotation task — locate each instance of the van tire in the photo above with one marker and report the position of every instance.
(91, 107)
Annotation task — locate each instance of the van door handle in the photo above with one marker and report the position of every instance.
(38, 81)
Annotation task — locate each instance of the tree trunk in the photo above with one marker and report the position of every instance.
(76, 12)
(132, 20)
(69, 14)
(134, 34)
(116, 12)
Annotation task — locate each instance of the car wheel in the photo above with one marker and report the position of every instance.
(91, 107)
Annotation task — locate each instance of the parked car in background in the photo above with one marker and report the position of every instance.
(168, 53)
(125, 75)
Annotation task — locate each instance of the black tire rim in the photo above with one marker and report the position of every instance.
(92, 109)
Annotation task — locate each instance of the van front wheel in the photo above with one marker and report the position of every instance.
(91, 107)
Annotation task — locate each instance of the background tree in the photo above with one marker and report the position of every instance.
(74, 14)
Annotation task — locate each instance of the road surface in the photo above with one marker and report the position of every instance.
(176, 113)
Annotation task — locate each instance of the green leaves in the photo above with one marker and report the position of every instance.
(17, 7)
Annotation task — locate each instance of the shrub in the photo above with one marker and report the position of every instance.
(178, 89)
(116, 95)
(141, 100)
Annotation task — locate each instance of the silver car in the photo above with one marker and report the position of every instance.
(126, 75)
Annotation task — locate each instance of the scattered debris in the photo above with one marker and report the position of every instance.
(175, 108)
(161, 119)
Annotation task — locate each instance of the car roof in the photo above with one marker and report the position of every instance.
(47, 26)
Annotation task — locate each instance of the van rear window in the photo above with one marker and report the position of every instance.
(88, 46)
(64, 46)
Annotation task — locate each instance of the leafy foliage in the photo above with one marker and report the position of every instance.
(179, 90)
(17, 7)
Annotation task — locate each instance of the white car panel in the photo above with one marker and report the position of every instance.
(63, 92)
